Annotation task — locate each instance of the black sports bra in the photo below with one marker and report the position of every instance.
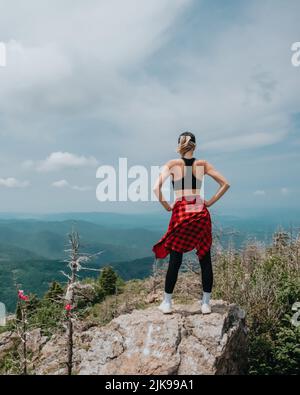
(189, 181)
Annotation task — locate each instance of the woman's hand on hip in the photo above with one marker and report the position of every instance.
(169, 207)
(166, 206)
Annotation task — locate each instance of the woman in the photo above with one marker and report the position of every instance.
(190, 225)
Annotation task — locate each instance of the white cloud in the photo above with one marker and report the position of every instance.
(58, 73)
(70, 61)
(66, 184)
(284, 191)
(61, 160)
(259, 193)
(11, 182)
(60, 184)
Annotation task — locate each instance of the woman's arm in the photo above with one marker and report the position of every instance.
(220, 179)
(165, 173)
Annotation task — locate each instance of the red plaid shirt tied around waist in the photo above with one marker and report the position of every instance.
(189, 228)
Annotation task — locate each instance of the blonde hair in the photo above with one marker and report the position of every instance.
(185, 145)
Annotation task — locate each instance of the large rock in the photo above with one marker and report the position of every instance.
(35, 341)
(149, 342)
(185, 342)
(8, 341)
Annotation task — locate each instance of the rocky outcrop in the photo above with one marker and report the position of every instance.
(146, 342)
(8, 341)
(149, 342)
(185, 342)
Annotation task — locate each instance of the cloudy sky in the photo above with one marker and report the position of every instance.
(88, 82)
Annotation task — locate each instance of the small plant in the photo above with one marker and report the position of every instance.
(22, 327)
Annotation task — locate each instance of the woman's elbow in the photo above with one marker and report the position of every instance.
(226, 185)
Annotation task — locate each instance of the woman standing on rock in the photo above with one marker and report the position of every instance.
(190, 225)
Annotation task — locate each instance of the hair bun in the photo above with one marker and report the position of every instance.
(186, 142)
(185, 139)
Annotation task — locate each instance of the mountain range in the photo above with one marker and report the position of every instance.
(32, 246)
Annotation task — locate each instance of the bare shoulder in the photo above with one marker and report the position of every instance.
(205, 164)
(200, 162)
(174, 162)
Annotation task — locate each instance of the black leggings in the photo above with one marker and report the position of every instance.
(174, 265)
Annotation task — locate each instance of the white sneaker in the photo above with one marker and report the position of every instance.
(165, 307)
(205, 308)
